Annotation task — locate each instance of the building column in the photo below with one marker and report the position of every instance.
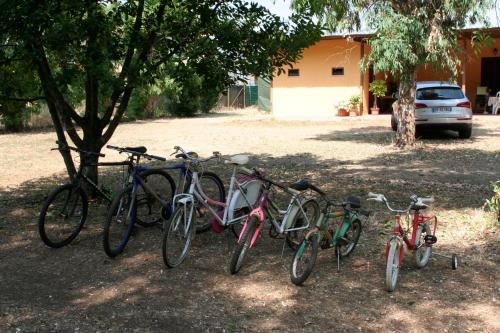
(465, 59)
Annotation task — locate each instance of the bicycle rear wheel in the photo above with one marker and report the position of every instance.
(241, 248)
(150, 211)
(311, 210)
(63, 215)
(119, 223)
(177, 236)
(422, 251)
(303, 260)
(392, 266)
(213, 188)
(350, 238)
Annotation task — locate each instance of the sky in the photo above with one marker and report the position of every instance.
(282, 8)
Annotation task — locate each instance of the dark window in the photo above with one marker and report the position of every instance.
(440, 93)
(293, 72)
(338, 71)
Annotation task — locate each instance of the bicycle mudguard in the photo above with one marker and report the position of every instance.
(401, 249)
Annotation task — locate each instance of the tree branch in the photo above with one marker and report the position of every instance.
(117, 91)
(22, 99)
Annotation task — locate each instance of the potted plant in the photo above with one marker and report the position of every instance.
(354, 102)
(378, 88)
(342, 109)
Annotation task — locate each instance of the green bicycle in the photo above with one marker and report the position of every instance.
(335, 228)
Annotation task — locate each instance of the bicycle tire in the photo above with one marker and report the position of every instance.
(216, 193)
(421, 257)
(392, 266)
(121, 204)
(241, 248)
(294, 238)
(45, 224)
(150, 212)
(352, 240)
(174, 227)
(298, 278)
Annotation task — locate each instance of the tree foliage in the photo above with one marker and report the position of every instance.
(100, 51)
(408, 34)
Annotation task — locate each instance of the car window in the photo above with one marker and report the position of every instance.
(439, 93)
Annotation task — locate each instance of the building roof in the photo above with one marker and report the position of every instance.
(494, 32)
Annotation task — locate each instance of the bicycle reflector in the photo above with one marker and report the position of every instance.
(430, 239)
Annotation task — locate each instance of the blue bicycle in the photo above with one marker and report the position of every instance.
(149, 192)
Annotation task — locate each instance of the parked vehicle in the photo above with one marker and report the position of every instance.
(417, 234)
(338, 226)
(440, 105)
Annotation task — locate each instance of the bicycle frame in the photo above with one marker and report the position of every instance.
(263, 211)
(402, 236)
(196, 191)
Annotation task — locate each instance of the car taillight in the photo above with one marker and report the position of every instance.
(420, 105)
(464, 105)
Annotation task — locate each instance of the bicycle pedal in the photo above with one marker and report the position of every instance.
(430, 239)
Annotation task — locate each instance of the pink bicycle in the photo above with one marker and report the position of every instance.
(423, 229)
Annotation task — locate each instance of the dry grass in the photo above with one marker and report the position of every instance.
(78, 288)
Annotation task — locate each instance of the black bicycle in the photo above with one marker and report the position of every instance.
(125, 209)
(65, 211)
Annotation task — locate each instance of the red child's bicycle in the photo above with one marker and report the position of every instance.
(423, 229)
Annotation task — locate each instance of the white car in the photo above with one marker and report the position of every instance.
(440, 105)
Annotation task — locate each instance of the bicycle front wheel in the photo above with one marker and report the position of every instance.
(213, 188)
(150, 211)
(241, 248)
(63, 215)
(119, 223)
(304, 259)
(177, 236)
(392, 266)
(422, 251)
(311, 210)
(350, 238)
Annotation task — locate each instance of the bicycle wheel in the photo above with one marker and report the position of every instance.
(213, 188)
(304, 259)
(392, 266)
(311, 209)
(150, 212)
(119, 223)
(242, 247)
(350, 239)
(422, 251)
(63, 215)
(177, 236)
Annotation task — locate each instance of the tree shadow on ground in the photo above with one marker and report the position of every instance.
(383, 135)
(78, 288)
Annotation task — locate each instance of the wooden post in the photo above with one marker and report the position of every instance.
(361, 80)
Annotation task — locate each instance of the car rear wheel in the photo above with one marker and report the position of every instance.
(465, 133)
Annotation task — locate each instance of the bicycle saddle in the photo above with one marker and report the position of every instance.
(191, 154)
(420, 206)
(140, 149)
(238, 159)
(300, 185)
(353, 202)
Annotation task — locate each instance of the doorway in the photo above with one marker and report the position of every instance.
(490, 73)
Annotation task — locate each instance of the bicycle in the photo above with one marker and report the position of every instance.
(421, 241)
(242, 196)
(136, 195)
(301, 211)
(64, 212)
(339, 229)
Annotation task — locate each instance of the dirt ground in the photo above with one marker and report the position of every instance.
(78, 289)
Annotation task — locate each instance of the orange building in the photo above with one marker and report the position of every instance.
(329, 73)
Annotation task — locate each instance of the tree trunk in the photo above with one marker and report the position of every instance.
(405, 135)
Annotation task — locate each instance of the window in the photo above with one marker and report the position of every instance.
(293, 72)
(439, 93)
(338, 71)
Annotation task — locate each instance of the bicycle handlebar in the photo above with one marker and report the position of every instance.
(63, 147)
(415, 201)
(127, 151)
